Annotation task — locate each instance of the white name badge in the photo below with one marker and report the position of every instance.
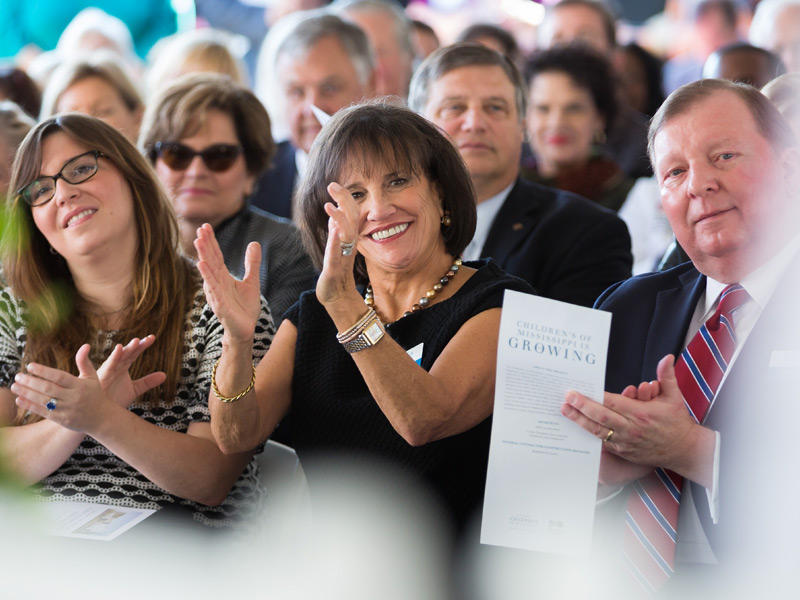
(416, 354)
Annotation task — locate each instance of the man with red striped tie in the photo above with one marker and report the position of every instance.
(694, 459)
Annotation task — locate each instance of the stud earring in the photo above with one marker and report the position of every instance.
(446, 220)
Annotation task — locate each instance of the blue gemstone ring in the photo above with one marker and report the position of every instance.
(51, 404)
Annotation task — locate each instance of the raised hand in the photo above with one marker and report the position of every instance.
(115, 377)
(77, 403)
(237, 304)
(336, 280)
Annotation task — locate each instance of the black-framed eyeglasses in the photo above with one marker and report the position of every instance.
(76, 170)
(178, 157)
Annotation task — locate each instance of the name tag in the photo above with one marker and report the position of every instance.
(416, 354)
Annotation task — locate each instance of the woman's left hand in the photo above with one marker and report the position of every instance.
(81, 404)
(336, 281)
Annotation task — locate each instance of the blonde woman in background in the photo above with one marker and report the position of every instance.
(99, 85)
(195, 51)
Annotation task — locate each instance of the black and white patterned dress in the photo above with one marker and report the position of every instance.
(95, 474)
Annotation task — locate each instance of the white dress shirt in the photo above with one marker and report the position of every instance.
(692, 545)
(487, 211)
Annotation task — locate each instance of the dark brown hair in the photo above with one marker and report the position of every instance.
(587, 68)
(377, 133)
(164, 283)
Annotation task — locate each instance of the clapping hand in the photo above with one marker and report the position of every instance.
(82, 403)
(336, 280)
(651, 427)
(237, 304)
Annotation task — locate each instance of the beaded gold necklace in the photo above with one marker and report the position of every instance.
(369, 298)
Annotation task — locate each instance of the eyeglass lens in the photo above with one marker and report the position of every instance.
(219, 157)
(76, 170)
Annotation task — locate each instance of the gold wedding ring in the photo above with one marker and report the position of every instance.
(608, 436)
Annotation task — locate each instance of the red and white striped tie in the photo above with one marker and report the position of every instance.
(652, 519)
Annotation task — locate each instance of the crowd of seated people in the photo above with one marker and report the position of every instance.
(195, 261)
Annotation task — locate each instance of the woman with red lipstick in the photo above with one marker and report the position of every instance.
(394, 354)
(91, 255)
(209, 139)
(572, 106)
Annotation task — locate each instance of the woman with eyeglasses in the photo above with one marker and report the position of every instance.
(209, 139)
(91, 254)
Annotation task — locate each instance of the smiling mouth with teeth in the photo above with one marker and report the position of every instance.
(386, 233)
(80, 215)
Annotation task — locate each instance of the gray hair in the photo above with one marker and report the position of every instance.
(762, 27)
(294, 35)
(456, 56)
(401, 23)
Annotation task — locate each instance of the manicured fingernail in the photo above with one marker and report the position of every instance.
(31, 367)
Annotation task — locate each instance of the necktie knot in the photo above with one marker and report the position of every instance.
(731, 299)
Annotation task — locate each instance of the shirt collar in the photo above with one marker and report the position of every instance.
(760, 283)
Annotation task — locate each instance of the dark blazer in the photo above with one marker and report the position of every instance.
(275, 188)
(756, 412)
(651, 315)
(567, 247)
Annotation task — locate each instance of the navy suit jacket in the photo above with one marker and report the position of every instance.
(756, 412)
(565, 246)
(275, 188)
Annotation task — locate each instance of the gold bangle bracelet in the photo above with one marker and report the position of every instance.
(227, 399)
(353, 331)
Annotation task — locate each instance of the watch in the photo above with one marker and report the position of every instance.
(370, 336)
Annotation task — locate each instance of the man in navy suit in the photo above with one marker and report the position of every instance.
(728, 168)
(311, 58)
(568, 248)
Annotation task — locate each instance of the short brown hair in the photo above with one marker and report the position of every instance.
(378, 133)
(180, 110)
(464, 54)
(769, 121)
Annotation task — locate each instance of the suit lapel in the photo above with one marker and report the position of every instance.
(516, 217)
(671, 318)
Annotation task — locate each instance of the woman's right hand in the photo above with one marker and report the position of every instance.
(237, 304)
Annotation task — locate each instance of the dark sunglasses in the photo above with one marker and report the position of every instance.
(218, 157)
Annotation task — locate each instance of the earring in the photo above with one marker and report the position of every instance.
(446, 220)
(600, 137)
(53, 251)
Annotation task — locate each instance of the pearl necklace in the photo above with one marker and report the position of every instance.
(369, 298)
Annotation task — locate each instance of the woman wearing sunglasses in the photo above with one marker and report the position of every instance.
(209, 139)
(92, 258)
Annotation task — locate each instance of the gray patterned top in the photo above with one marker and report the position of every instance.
(93, 473)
